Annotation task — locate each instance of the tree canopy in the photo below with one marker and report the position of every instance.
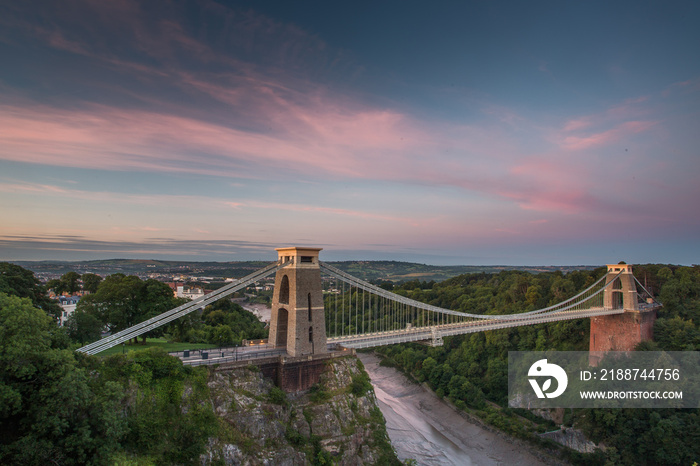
(52, 410)
(91, 282)
(120, 302)
(18, 281)
(62, 407)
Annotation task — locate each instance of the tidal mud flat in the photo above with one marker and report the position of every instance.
(261, 311)
(424, 428)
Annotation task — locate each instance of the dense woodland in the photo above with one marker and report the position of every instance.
(60, 407)
(471, 370)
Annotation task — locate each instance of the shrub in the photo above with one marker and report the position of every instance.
(360, 384)
(277, 396)
(317, 394)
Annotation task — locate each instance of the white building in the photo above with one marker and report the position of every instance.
(68, 304)
(192, 293)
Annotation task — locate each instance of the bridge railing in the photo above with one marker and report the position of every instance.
(240, 356)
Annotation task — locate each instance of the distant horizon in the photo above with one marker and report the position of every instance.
(77, 249)
(407, 260)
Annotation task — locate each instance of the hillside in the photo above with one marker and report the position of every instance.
(366, 270)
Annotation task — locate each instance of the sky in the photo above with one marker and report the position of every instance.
(447, 132)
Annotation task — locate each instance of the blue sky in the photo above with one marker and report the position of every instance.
(523, 133)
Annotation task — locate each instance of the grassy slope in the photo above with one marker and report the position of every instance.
(156, 343)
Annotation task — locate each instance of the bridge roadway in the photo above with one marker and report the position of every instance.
(221, 355)
(369, 340)
(236, 353)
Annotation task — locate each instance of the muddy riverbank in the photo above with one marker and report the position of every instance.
(424, 428)
(261, 311)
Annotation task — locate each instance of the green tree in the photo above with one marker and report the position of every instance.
(70, 282)
(180, 329)
(18, 281)
(676, 334)
(561, 289)
(496, 380)
(116, 302)
(91, 282)
(224, 315)
(123, 301)
(52, 410)
(221, 335)
(84, 327)
(167, 422)
(427, 368)
(462, 389)
(55, 285)
(157, 298)
(532, 296)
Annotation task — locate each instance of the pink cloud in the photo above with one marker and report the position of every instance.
(326, 210)
(575, 125)
(187, 201)
(272, 119)
(606, 137)
(505, 115)
(615, 123)
(689, 85)
(57, 40)
(109, 197)
(113, 139)
(629, 109)
(508, 231)
(552, 183)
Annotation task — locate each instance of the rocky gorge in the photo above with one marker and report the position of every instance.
(337, 421)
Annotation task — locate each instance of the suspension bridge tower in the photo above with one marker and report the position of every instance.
(621, 332)
(298, 321)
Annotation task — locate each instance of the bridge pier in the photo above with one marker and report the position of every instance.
(620, 332)
(290, 374)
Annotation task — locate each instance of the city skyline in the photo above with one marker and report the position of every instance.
(496, 133)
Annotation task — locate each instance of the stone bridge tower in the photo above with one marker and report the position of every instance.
(621, 332)
(298, 321)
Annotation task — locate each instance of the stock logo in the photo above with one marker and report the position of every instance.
(542, 368)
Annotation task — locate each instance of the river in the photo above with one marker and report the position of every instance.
(261, 311)
(422, 427)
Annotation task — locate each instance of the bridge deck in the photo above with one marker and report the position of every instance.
(429, 333)
(368, 340)
(240, 353)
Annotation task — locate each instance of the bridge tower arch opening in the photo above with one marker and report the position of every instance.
(282, 326)
(284, 290)
(297, 321)
(616, 294)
